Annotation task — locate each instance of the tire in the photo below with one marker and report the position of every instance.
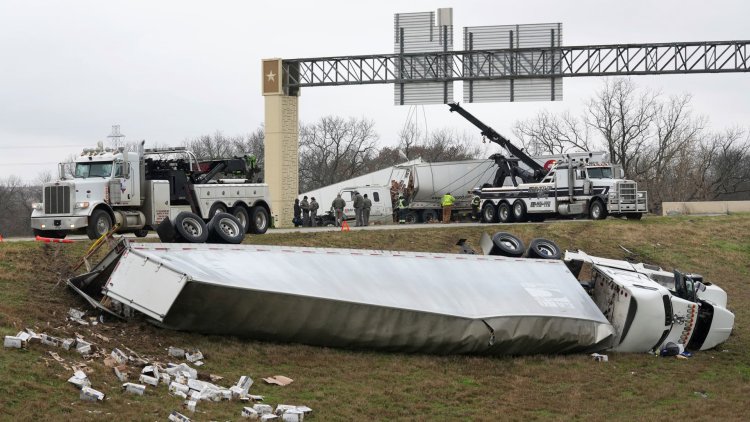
(141, 233)
(505, 244)
(99, 224)
(504, 212)
(52, 234)
(543, 249)
(240, 212)
(411, 217)
(429, 216)
(489, 212)
(225, 228)
(166, 231)
(634, 216)
(216, 208)
(519, 211)
(597, 210)
(259, 220)
(190, 228)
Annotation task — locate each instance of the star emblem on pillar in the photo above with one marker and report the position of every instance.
(271, 76)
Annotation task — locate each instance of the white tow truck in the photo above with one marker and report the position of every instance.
(137, 190)
(571, 186)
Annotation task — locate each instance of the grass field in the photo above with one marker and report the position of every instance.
(364, 385)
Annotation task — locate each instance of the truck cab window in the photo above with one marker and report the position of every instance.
(600, 172)
(376, 197)
(93, 169)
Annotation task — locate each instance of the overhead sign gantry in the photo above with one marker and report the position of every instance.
(497, 63)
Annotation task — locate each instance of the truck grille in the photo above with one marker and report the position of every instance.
(57, 199)
(628, 193)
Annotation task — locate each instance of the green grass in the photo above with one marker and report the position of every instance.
(368, 385)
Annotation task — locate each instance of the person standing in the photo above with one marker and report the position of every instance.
(359, 202)
(401, 209)
(313, 211)
(338, 209)
(297, 220)
(366, 211)
(305, 205)
(475, 201)
(447, 203)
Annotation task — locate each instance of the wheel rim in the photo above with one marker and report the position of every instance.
(596, 211)
(546, 249)
(260, 221)
(509, 243)
(243, 220)
(219, 209)
(229, 227)
(504, 213)
(517, 209)
(192, 227)
(102, 226)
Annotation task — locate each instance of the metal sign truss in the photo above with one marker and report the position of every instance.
(476, 65)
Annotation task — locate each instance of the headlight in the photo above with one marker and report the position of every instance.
(612, 195)
(82, 205)
(641, 195)
(37, 206)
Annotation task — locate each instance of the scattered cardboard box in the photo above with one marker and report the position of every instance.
(194, 357)
(293, 415)
(176, 416)
(79, 379)
(268, 417)
(263, 409)
(13, 342)
(176, 352)
(130, 387)
(278, 380)
(89, 394)
(249, 412)
(146, 379)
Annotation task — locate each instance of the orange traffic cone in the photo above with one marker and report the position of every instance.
(345, 226)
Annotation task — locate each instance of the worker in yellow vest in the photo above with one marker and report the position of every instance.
(447, 203)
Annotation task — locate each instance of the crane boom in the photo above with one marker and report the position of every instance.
(498, 138)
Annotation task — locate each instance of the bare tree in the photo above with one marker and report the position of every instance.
(623, 116)
(15, 207)
(439, 145)
(334, 149)
(547, 133)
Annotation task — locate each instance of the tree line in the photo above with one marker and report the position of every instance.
(658, 140)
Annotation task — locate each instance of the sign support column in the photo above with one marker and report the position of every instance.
(281, 144)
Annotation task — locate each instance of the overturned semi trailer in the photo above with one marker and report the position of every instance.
(396, 301)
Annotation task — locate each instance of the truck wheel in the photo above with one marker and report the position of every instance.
(239, 212)
(489, 212)
(429, 216)
(597, 210)
(259, 220)
(634, 216)
(190, 227)
(504, 213)
(505, 244)
(543, 249)
(225, 228)
(519, 211)
(141, 233)
(411, 217)
(99, 224)
(216, 208)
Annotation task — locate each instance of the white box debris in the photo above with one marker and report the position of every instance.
(190, 405)
(176, 352)
(79, 379)
(119, 356)
(176, 416)
(90, 394)
(83, 347)
(182, 369)
(24, 336)
(121, 373)
(68, 343)
(194, 357)
(138, 389)
(268, 417)
(293, 415)
(249, 412)
(146, 379)
(13, 342)
(263, 409)
(51, 341)
(175, 387)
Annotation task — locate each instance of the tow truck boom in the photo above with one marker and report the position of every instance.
(499, 139)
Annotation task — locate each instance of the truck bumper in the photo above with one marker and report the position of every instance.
(59, 223)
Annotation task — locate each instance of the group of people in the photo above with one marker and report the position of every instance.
(305, 212)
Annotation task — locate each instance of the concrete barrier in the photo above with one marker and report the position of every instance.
(705, 207)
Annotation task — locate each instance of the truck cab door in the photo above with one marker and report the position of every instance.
(379, 198)
(348, 197)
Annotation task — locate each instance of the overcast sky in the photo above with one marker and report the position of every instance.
(170, 70)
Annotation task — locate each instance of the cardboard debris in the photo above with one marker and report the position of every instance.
(194, 357)
(175, 387)
(278, 380)
(101, 337)
(75, 313)
(138, 389)
(182, 369)
(190, 405)
(121, 372)
(281, 408)
(180, 394)
(146, 379)
(68, 343)
(79, 379)
(215, 378)
(165, 378)
(263, 409)
(293, 415)
(176, 416)
(600, 358)
(119, 356)
(56, 357)
(110, 362)
(90, 394)
(255, 397)
(33, 337)
(51, 341)
(198, 363)
(268, 417)
(176, 352)
(242, 387)
(24, 336)
(306, 410)
(249, 412)
(83, 347)
(13, 342)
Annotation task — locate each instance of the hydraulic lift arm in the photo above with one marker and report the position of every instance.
(498, 139)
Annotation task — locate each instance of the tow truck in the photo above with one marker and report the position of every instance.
(572, 186)
(135, 191)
